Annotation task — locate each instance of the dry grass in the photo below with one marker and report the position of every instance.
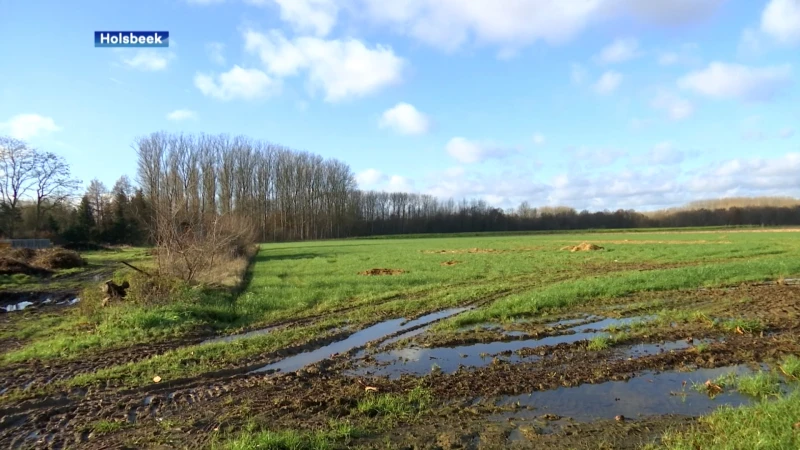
(229, 271)
(57, 258)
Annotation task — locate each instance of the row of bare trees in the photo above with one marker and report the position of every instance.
(28, 175)
(284, 194)
(287, 195)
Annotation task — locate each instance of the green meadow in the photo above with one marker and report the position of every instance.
(522, 275)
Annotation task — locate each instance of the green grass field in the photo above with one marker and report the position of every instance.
(321, 285)
(525, 274)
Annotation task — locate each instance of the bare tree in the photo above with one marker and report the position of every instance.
(17, 177)
(54, 184)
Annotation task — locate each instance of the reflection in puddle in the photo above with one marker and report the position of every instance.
(419, 361)
(639, 350)
(644, 395)
(20, 302)
(18, 307)
(357, 339)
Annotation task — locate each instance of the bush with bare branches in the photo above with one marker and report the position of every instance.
(192, 247)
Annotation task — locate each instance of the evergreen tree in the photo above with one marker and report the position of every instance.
(84, 223)
(120, 232)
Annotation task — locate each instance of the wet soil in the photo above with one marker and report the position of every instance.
(474, 407)
(373, 272)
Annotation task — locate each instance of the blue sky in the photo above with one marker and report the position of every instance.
(587, 103)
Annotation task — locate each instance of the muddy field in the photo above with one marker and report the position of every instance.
(615, 371)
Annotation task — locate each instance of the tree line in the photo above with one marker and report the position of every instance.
(209, 183)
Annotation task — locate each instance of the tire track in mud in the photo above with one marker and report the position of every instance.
(36, 418)
(586, 269)
(56, 371)
(68, 411)
(37, 373)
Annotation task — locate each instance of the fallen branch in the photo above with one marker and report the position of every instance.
(136, 268)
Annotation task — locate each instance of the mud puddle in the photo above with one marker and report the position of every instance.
(639, 350)
(13, 302)
(18, 307)
(358, 339)
(647, 394)
(419, 361)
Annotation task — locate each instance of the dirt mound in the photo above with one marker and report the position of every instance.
(372, 272)
(58, 258)
(20, 254)
(11, 266)
(583, 247)
(461, 251)
(451, 263)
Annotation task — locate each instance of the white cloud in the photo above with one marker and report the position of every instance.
(149, 60)
(619, 51)
(669, 12)
(665, 153)
(237, 83)
(677, 108)
(370, 178)
(467, 152)
(539, 139)
(658, 184)
(374, 179)
(608, 82)
(341, 68)
(687, 54)
(306, 16)
(182, 114)
(27, 126)
(215, 52)
(786, 133)
(405, 119)
(781, 20)
(578, 74)
(398, 183)
(759, 176)
(722, 80)
(502, 189)
(448, 24)
(668, 59)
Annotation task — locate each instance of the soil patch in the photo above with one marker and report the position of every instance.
(11, 266)
(375, 272)
(450, 263)
(20, 254)
(462, 251)
(582, 247)
(58, 258)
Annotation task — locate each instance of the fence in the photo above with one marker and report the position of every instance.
(25, 243)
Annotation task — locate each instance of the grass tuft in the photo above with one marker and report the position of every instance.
(396, 406)
(742, 325)
(598, 343)
(761, 384)
(767, 424)
(791, 367)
